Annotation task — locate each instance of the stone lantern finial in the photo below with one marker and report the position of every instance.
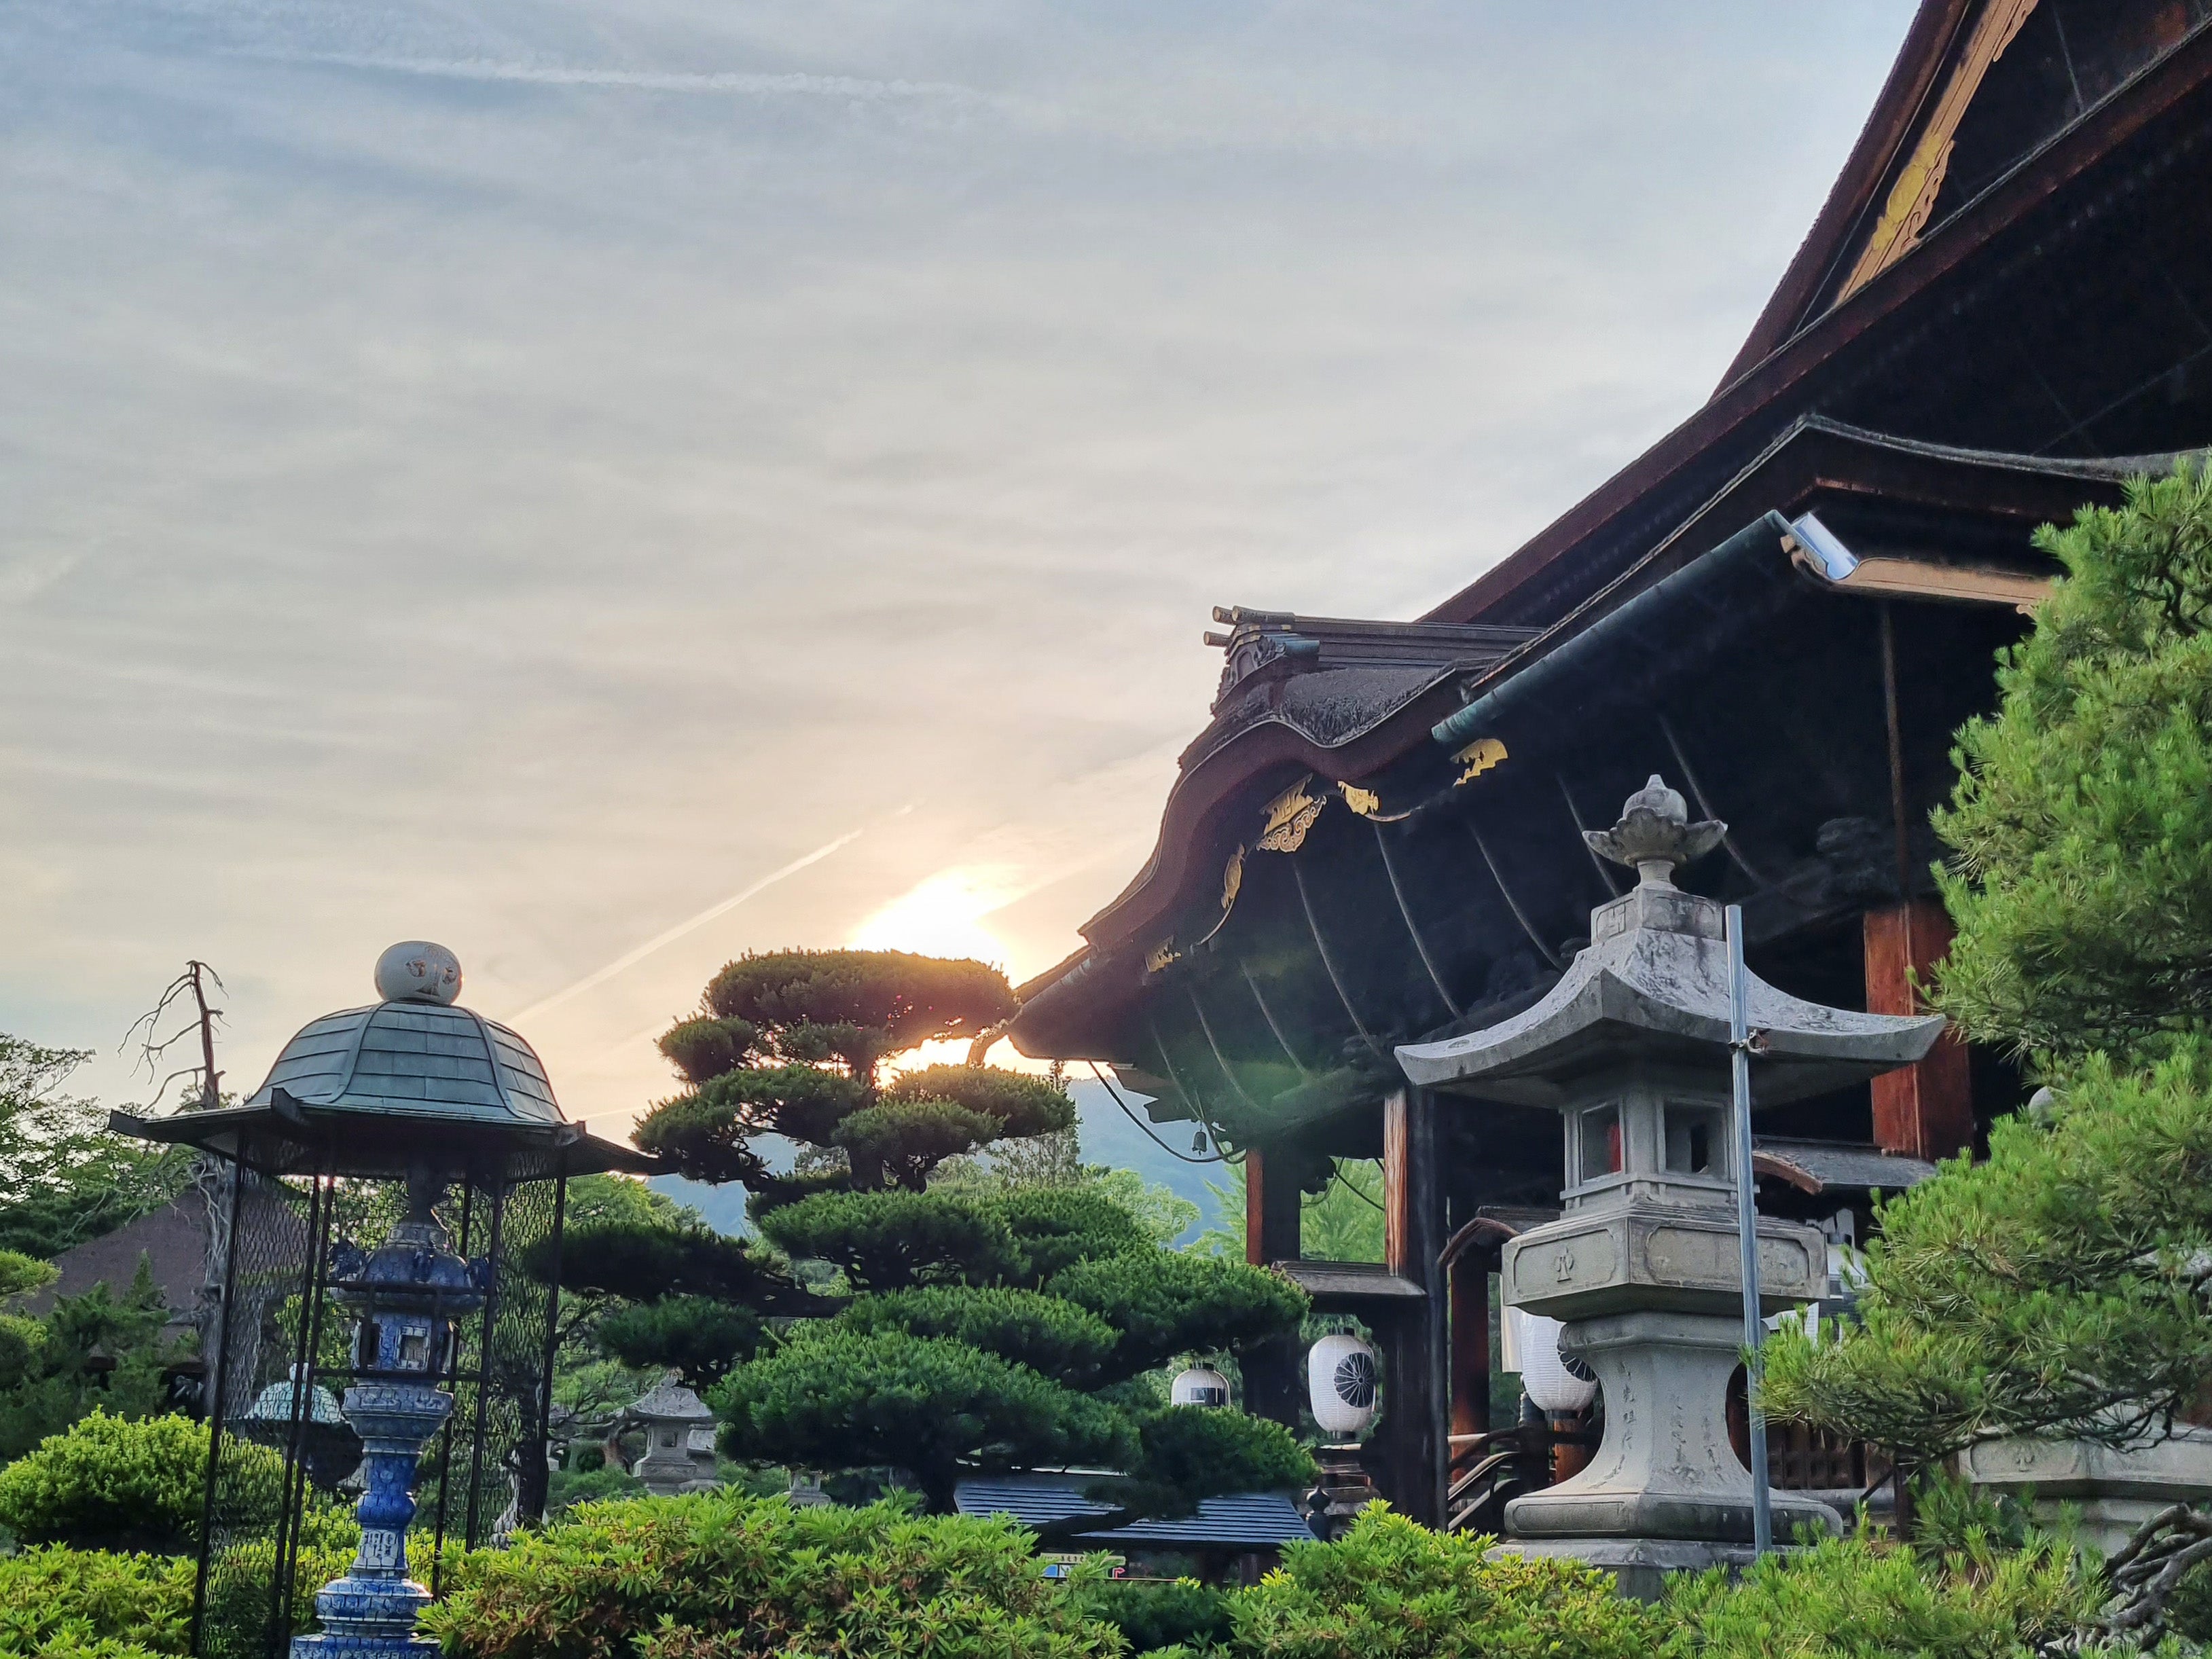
(1655, 834)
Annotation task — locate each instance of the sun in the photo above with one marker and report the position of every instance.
(941, 916)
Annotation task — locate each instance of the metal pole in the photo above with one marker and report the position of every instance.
(1747, 1213)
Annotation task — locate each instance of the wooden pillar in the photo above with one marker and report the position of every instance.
(1415, 1384)
(1470, 1341)
(1925, 1109)
(1271, 1206)
(1273, 1387)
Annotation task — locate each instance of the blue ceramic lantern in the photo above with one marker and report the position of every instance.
(437, 1337)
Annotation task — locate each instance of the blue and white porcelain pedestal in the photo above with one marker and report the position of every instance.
(371, 1612)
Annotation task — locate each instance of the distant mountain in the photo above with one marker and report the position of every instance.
(1109, 1137)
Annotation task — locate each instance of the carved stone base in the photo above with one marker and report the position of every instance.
(1640, 1566)
(2111, 1493)
(1665, 1469)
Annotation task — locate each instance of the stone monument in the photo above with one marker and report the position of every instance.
(1632, 1049)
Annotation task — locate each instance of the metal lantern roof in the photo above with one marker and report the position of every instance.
(372, 1091)
(414, 1059)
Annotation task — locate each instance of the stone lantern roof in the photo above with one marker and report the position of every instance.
(1652, 986)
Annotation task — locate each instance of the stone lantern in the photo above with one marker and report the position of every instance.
(679, 1439)
(1632, 1048)
(433, 1132)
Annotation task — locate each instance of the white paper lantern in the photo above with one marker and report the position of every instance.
(1198, 1387)
(1556, 1383)
(1341, 1374)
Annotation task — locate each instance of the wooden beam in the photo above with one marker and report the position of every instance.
(1925, 1109)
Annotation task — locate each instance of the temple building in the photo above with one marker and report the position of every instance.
(1787, 606)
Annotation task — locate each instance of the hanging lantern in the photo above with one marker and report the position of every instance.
(1199, 1386)
(1557, 1382)
(1341, 1378)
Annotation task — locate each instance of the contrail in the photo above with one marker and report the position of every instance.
(631, 958)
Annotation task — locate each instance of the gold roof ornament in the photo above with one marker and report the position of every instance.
(1476, 758)
(1286, 818)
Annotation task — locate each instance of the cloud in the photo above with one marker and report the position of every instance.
(507, 474)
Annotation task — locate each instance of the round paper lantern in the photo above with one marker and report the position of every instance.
(1557, 1384)
(1198, 1387)
(1340, 1373)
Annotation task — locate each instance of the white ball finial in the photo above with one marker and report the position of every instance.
(419, 971)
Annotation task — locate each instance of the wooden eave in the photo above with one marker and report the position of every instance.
(1815, 461)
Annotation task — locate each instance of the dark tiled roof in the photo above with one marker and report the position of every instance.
(1256, 1520)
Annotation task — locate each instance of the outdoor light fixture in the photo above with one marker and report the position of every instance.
(433, 1132)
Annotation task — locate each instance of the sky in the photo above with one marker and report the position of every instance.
(611, 487)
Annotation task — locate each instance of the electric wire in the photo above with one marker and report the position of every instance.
(1129, 1112)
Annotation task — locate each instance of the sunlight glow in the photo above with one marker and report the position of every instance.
(942, 916)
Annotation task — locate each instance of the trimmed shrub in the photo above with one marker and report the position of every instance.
(116, 1483)
(719, 1575)
(1391, 1590)
(1863, 1598)
(57, 1602)
(1180, 1613)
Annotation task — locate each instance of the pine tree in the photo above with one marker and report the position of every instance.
(2061, 1287)
(983, 1326)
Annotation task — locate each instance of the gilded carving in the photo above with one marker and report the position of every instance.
(1160, 956)
(1476, 758)
(1365, 802)
(1286, 819)
(1232, 879)
(1912, 197)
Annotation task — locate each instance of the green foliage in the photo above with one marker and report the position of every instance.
(1052, 1337)
(2059, 1286)
(725, 1576)
(607, 1200)
(53, 1370)
(1186, 1454)
(705, 1047)
(906, 1138)
(20, 1272)
(1178, 1612)
(793, 1042)
(871, 1004)
(648, 1258)
(1391, 1590)
(1022, 1105)
(698, 1336)
(56, 1601)
(63, 1178)
(836, 1398)
(885, 1241)
(566, 1488)
(2082, 888)
(1342, 1222)
(1857, 1598)
(112, 1483)
(1165, 1304)
(1055, 1228)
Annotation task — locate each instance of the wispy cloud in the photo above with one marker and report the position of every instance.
(630, 959)
(847, 89)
